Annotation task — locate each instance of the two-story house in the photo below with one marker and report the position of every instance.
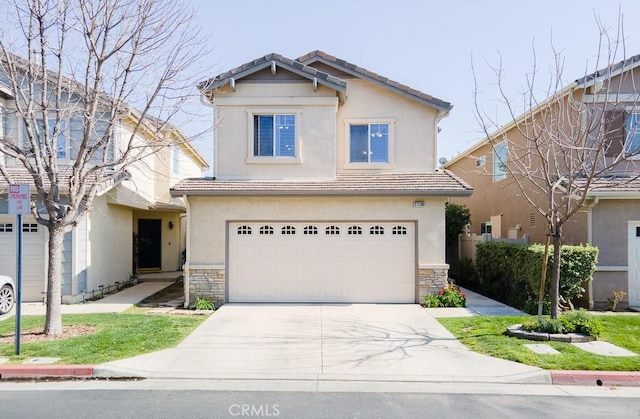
(325, 187)
(135, 225)
(610, 220)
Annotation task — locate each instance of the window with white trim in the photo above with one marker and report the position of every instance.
(632, 143)
(175, 158)
(6, 227)
(274, 135)
(369, 143)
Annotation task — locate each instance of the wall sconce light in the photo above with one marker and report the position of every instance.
(170, 225)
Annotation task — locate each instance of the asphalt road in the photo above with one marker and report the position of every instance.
(178, 399)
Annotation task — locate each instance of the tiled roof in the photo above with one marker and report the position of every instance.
(22, 176)
(611, 70)
(628, 184)
(263, 62)
(316, 56)
(436, 183)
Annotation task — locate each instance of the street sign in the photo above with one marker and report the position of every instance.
(19, 199)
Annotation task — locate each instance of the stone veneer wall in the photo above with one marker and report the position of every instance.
(207, 283)
(430, 281)
(210, 283)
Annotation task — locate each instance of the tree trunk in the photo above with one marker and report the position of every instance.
(53, 320)
(555, 283)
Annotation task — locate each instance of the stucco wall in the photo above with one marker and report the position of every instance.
(208, 216)
(110, 244)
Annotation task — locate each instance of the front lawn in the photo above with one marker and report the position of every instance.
(484, 334)
(116, 336)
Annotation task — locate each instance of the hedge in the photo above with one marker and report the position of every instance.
(511, 273)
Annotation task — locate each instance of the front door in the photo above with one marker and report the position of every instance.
(149, 245)
(634, 263)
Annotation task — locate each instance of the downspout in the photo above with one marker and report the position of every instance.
(188, 255)
(590, 241)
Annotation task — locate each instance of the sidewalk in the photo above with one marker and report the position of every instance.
(200, 353)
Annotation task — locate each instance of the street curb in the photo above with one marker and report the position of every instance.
(8, 372)
(595, 378)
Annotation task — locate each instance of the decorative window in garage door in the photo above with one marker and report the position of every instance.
(376, 230)
(30, 228)
(354, 230)
(6, 227)
(399, 231)
(244, 230)
(332, 230)
(288, 230)
(310, 230)
(266, 230)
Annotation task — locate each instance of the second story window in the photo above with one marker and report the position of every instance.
(175, 157)
(274, 135)
(369, 143)
(500, 155)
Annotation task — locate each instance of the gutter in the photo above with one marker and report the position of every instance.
(444, 193)
(185, 268)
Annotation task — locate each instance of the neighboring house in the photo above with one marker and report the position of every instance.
(325, 187)
(611, 219)
(136, 208)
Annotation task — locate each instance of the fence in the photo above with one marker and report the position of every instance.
(467, 244)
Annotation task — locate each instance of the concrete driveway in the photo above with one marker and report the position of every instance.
(399, 342)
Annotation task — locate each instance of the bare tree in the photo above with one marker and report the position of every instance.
(556, 149)
(76, 72)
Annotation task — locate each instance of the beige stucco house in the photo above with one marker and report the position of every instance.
(325, 187)
(610, 220)
(135, 225)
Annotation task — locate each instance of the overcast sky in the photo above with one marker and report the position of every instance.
(425, 44)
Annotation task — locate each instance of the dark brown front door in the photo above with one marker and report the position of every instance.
(149, 244)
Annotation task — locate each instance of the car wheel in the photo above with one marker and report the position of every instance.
(7, 299)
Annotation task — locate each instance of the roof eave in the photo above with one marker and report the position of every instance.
(444, 193)
(408, 95)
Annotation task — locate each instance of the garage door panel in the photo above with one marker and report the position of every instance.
(330, 266)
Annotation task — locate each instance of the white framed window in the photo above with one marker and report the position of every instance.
(376, 230)
(244, 230)
(30, 227)
(6, 227)
(500, 155)
(332, 230)
(274, 137)
(399, 231)
(288, 230)
(369, 143)
(266, 230)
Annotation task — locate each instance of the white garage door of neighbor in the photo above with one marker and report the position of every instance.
(33, 257)
(369, 262)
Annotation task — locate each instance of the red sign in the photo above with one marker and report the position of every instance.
(19, 199)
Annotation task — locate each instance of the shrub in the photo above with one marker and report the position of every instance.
(464, 272)
(448, 296)
(203, 304)
(511, 273)
(578, 321)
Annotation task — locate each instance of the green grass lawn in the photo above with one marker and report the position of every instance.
(116, 336)
(485, 335)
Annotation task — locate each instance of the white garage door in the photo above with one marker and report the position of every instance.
(372, 262)
(33, 256)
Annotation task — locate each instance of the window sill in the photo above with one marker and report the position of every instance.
(274, 160)
(369, 166)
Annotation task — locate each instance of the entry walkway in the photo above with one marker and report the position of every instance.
(477, 305)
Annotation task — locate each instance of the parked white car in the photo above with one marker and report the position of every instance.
(7, 294)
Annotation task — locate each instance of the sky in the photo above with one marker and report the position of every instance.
(427, 45)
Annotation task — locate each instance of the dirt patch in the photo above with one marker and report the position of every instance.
(37, 335)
